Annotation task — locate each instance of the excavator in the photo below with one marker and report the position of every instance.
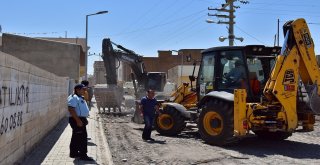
(142, 80)
(145, 80)
(270, 91)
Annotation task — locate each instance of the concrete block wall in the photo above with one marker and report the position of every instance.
(62, 59)
(99, 72)
(32, 102)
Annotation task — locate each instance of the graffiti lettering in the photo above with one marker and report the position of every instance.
(10, 122)
(21, 95)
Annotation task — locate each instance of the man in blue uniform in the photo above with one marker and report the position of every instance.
(78, 113)
(148, 107)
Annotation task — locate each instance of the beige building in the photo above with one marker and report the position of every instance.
(179, 74)
(100, 73)
(165, 61)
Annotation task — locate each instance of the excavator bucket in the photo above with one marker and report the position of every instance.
(137, 117)
(108, 97)
(314, 98)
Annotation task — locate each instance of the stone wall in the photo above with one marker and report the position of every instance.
(32, 102)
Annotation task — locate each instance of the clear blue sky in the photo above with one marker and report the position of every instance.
(147, 26)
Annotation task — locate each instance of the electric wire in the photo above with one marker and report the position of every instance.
(180, 19)
(250, 35)
(182, 30)
(159, 14)
(136, 21)
(169, 16)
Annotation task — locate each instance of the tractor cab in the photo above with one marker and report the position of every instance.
(237, 67)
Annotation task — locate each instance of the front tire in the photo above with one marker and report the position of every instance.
(216, 122)
(170, 122)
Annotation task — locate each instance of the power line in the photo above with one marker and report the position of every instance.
(268, 9)
(204, 1)
(277, 14)
(191, 35)
(169, 15)
(283, 4)
(250, 35)
(157, 25)
(135, 22)
(182, 30)
(179, 27)
(148, 21)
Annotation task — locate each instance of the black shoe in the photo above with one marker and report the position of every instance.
(144, 139)
(86, 158)
(151, 139)
(74, 155)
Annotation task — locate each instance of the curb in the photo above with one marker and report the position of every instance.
(104, 150)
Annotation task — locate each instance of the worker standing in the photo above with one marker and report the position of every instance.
(148, 107)
(78, 113)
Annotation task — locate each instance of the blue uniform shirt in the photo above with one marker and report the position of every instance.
(79, 104)
(148, 106)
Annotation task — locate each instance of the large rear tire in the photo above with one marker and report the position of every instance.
(216, 122)
(170, 122)
(277, 136)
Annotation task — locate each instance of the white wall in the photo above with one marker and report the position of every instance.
(32, 102)
(174, 74)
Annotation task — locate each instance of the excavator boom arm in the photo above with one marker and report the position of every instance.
(296, 62)
(111, 56)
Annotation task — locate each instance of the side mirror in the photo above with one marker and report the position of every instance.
(192, 78)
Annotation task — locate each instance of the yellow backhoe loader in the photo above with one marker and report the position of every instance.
(170, 122)
(271, 91)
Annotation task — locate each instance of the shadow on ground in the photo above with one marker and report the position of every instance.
(46, 143)
(252, 145)
(263, 148)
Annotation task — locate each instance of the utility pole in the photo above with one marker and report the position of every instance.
(231, 23)
(278, 31)
(229, 3)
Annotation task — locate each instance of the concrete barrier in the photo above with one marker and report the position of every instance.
(32, 102)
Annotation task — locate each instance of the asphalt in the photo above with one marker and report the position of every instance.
(54, 148)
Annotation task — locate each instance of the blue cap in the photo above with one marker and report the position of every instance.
(79, 86)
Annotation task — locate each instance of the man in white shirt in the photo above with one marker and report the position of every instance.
(78, 113)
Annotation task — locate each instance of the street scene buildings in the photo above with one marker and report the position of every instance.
(160, 94)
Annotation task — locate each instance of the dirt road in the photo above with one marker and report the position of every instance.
(127, 147)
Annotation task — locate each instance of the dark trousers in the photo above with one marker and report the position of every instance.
(148, 121)
(78, 144)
